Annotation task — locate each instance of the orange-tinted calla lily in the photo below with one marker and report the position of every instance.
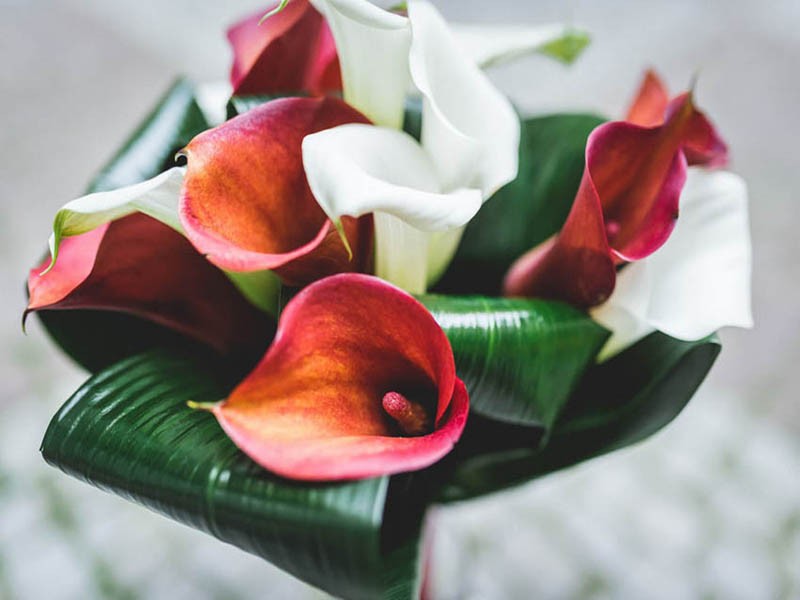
(292, 51)
(627, 203)
(140, 266)
(246, 203)
(360, 381)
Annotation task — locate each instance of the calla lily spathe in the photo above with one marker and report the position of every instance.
(626, 205)
(139, 266)
(360, 381)
(658, 246)
(469, 143)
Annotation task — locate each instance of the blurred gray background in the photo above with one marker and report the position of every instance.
(709, 508)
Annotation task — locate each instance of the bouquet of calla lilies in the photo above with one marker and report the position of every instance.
(355, 283)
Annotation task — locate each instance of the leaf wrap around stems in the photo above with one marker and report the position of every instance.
(129, 431)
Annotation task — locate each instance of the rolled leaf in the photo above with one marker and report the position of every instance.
(520, 359)
(618, 403)
(128, 431)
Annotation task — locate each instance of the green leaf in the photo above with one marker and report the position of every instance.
(151, 149)
(567, 48)
(96, 339)
(529, 209)
(129, 431)
(618, 403)
(520, 359)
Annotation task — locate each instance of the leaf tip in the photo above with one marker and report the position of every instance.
(568, 47)
(280, 6)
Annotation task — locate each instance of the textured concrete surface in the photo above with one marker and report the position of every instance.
(709, 508)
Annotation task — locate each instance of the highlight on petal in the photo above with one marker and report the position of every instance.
(139, 266)
(246, 203)
(699, 281)
(359, 382)
(291, 51)
(469, 128)
(156, 197)
(491, 45)
(356, 170)
(372, 45)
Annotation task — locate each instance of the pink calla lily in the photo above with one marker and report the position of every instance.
(359, 382)
(139, 266)
(627, 202)
(245, 202)
(291, 51)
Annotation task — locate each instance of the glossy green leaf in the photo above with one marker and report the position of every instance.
(526, 211)
(128, 430)
(96, 339)
(618, 403)
(520, 359)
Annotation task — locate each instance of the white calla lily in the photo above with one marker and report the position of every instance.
(157, 197)
(469, 141)
(699, 281)
(359, 169)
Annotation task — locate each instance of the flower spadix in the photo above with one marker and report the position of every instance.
(359, 381)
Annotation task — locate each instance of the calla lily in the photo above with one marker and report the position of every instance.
(242, 198)
(139, 266)
(359, 382)
(246, 205)
(469, 145)
(291, 51)
(626, 205)
(699, 280)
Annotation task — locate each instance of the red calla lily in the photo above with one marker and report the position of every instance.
(627, 202)
(140, 266)
(360, 381)
(292, 51)
(246, 203)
